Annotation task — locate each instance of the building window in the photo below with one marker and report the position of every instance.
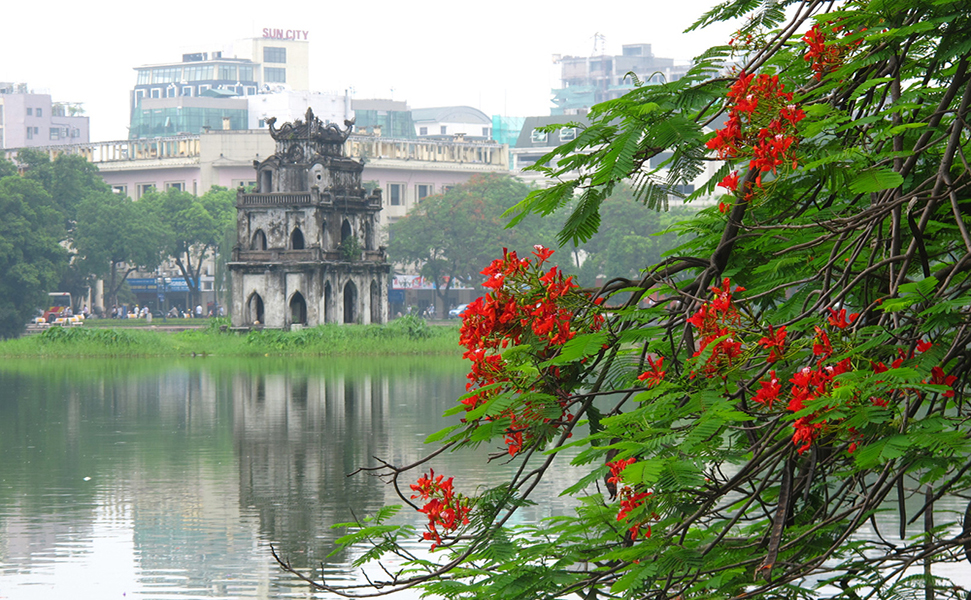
(274, 55)
(198, 73)
(422, 131)
(30, 112)
(170, 91)
(30, 133)
(156, 93)
(121, 190)
(244, 183)
(568, 133)
(396, 193)
(203, 88)
(274, 75)
(175, 185)
(75, 133)
(250, 90)
(538, 137)
(422, 191)
(143, 188)
(144, 76)
(166, 74)
(486, 132)
(444, 130)
(55, 133)
(246, 73)
(40, 112)
(227, 72)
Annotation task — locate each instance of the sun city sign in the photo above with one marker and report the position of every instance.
(285, 34)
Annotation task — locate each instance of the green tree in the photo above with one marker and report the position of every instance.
(114, 237)
(453, 236)
(31, 258)
(192, 227)
(68, 178)
(789, 420)
(629, 238)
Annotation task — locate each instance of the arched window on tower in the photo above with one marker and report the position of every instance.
(296, 239)
(350, 302)
(254, 310)
(345, 231)
(298, 309)
(259, 240)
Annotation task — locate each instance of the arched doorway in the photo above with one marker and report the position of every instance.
(350, 301)
(259, 240)
(345, 231)
(328, 299)
(323, 236)
(298, 309)
(254, 310)
(375, 302)
(296, 239)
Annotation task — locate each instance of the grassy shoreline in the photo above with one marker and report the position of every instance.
(405, 336)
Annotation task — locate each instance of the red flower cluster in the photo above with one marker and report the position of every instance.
(445, 509)
(825, 53)
(629, 499)
(761, 125)
(527, 305)
(717, 320)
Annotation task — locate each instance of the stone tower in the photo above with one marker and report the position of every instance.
(306, 243)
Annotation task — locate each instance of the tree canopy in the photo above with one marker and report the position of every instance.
(789, 419)
(115, 236)
(192, 226)
(31, 258)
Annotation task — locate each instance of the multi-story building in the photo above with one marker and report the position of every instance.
(589, 80)
(208, 89)
(406, 170)
(30, 120)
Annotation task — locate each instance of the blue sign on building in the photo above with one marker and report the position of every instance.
(142, 285)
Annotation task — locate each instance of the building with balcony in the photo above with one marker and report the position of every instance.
(31, 120)
(307, 248)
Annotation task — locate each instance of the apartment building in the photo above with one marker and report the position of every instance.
(30, 119)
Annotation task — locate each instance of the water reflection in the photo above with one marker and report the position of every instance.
(138, 478)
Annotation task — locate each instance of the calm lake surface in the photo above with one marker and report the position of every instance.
(170, 479)
(160, 479)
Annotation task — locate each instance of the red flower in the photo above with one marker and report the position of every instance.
(654, 375)
(541, 253)
(938, 378)
(769, 392)
(839, 319)
(775, 342)
(822, 347)
(730, 181)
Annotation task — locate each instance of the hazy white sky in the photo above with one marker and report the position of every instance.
(496, 55)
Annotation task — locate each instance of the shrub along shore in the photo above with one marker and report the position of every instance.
(407, 335)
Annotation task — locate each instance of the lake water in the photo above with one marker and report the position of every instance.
(161, 479)
(154, 479)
